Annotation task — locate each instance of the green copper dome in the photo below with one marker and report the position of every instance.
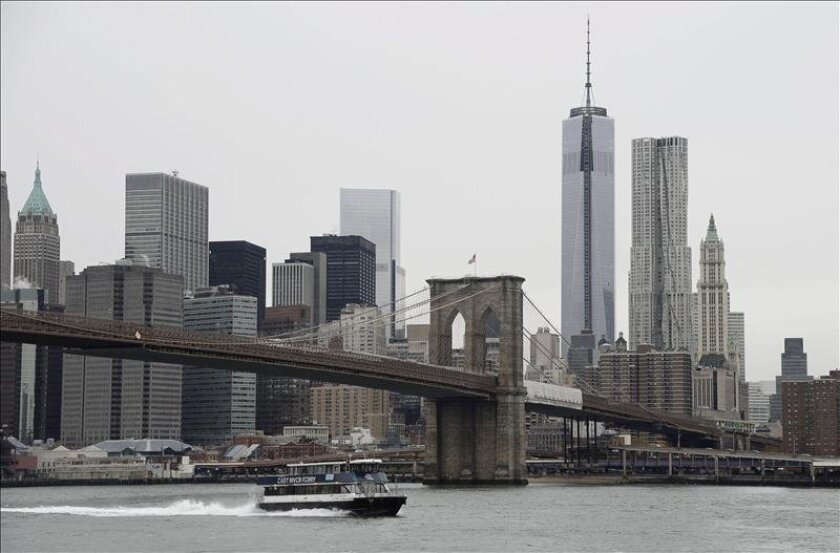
(37, 203)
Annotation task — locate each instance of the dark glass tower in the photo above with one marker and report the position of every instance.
(351, 271)
(30, 376)
(242, 265)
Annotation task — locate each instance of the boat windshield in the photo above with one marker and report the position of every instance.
(366, 468)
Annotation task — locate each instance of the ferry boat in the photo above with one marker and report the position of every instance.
(358, 486)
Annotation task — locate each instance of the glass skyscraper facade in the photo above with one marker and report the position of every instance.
(217, 403)
(166, 225)
(375, 215)
(104, 398)
(30, 377)
(588, 224)
(242, 265)
(351, 271)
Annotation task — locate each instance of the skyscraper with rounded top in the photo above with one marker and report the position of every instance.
(37, 243)
(588, 219)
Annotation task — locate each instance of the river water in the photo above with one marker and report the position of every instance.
(538, 517)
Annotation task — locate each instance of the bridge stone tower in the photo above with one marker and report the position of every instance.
(477, 441)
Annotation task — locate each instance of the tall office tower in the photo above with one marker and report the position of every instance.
(65, 269)
(361, 329)
(218, 404)
(582, 355)
(113, 398)
(794, 368)
(588, 234)
(283, 401)
(660, 259)
(712, 297)
(293, 283)
(319, 291)
(30, 377)
(37, 244)
(5, 235)
(737, 344)
(351, 271)
(166, 225)
(407, 410)
(794, 360)
(545, 355)
(375, 215)
(242, 265)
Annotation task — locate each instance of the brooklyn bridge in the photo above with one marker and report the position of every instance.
(475, 419)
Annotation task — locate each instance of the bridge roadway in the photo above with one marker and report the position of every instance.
(105, 338)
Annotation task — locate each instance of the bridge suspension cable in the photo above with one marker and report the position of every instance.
(579, 380)
(357, 321)
(314, 328)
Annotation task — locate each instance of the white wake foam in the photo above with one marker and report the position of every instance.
(184, 507)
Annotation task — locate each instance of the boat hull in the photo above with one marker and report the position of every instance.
(360, 506)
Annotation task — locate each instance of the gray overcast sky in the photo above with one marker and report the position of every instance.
(457, 106)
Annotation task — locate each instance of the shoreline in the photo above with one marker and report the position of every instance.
(575, 480)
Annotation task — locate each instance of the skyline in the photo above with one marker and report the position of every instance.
(504, 133)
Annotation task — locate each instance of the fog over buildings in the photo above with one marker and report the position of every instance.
(458, 107)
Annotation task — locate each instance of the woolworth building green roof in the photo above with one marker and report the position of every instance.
(36, 203)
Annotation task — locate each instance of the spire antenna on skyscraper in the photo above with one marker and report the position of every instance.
(588, 71)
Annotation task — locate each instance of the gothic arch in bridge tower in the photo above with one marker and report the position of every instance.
(477, 441)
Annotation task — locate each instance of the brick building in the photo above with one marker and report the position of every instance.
(811, 415)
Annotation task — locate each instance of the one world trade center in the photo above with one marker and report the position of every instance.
(588, 219)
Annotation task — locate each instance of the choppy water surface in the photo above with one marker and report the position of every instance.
(538, 517)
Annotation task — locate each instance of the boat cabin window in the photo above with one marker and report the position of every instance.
(367, 468)
(315, 469)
